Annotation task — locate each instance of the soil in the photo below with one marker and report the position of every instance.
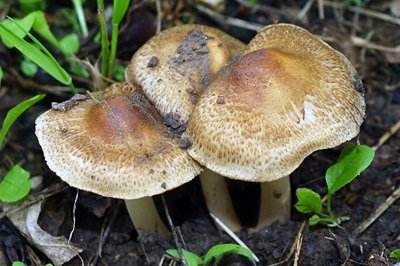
(103, 229)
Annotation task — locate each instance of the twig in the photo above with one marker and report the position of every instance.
(389, 133)
(299, 242)
(378, 212)
(294, 246)
(364, 11)
(321, 12)
(233, 235)
(305, 9)
(74, 225)
(159, 15)
(48, 192)
(225, 20)
(175, 235)
(105, 232)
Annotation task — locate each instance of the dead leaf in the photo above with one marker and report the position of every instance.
(57, 249)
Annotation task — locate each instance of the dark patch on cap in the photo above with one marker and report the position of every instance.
(358, 84)
(151, 171)
(164, 172)
(185, 143)
(174, 122)
(164, 185)
(221, 100)
(67, 105)
(153, 62)
(191, 57)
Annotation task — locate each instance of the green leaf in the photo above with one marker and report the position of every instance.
(15, 185)
(352, 161)
(1, 74)
(15, 112)
(395, 254)
(36, 21)
(220, 250)
(29, 68)
(308, 201)
(191, 258)
(32, 5)
(69, 44)
(78, 6)
(40, 56)
(119, 72)
(313, 220)
(120, 7)
(18, 263)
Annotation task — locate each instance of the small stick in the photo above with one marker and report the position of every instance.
(389, 133)
(321, 12)
(175, 235)
(105, 232)
(378, 212)
(159, 16)
(365, 12)
(305, 9)
(299, 242)
(294, 245)
(233, 235)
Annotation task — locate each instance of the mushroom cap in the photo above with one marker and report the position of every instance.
(176, 65)
(113, 144)
(287, 96)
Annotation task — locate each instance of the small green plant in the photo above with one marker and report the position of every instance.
(395, 254)
(20, 263)
(15, 112)
(215, 254)
(15, 185)
(109, 56)
(351, 162)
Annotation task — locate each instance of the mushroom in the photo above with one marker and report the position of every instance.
(289, 94)
(174, 68)
(113, 143)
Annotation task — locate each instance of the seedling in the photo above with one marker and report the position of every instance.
(215, 254)
(20, 263)
(15, 185)
(351, 162)
(395, 254)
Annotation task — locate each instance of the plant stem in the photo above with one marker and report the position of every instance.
(328, 204)
(114, 44)
(81, 17)
(72, 88)
(104, 38)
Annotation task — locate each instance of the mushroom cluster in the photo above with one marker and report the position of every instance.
(250, 113)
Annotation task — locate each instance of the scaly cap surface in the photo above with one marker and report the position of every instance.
(287, 96)
(113, 143)
(176, 65)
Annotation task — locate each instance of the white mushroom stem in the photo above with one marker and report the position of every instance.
(275, 202)
(144, 216)
(218, 199)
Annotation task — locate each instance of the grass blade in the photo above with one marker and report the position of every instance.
(81, 16)
(15, 112)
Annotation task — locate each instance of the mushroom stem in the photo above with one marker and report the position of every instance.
(144, 216)
(219, 203)
(275, 202)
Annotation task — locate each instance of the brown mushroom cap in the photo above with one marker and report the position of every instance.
(113, 144)
(176, 65)
(289, 95)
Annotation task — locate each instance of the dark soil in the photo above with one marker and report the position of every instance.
(380, 74)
